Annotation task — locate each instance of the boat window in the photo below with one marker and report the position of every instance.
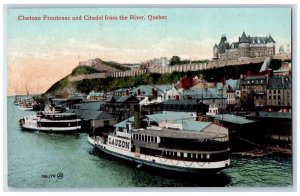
(155, 139)
(189, 155)
(200, 156)
(139, 137)
(148, 138)
(181, 154)
(143, 138)
(194, 156)
(207, 156)
(151, 138)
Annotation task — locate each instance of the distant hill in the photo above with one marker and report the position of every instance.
(103, 66)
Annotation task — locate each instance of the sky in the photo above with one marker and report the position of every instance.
(40, 52)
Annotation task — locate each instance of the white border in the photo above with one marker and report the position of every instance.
(149, 3)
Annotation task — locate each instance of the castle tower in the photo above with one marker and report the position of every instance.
(244, 46)
(271, 45)
(215, 52)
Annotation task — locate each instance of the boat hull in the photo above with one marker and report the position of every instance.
(155, 162)
(54, 129)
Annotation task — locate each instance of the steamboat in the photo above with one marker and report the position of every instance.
(52, 122)
(170, 146)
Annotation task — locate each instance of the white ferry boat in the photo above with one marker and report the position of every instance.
(169, 147)
(52, 122)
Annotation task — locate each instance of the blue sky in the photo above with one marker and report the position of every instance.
(186, 32)
(190, 24)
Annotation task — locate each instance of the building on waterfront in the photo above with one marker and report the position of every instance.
(196, 101)
(231, 90)
(193, 106)
(276, 126)
(120, 106)
(91, 118)
(246, 47)
(253, 91)
(95, 96)
(151, 91)
(120, 92)
(279, 93)
(208, 96)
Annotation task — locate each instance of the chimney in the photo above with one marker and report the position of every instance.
(154, 92)
(248, 73)
(136, 116)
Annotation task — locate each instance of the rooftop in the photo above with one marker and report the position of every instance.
(146, 90)
(91, 114)
(277, 115)
(208, 93)
(233, 119)
(90, 105)
(170, 116)
(280, 82)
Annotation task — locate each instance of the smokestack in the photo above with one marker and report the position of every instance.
(136, 116)
(154, 92)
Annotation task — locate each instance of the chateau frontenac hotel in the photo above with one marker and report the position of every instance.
(246, 47)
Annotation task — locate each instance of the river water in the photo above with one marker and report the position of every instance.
(39, 160)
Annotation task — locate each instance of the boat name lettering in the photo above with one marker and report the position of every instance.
(119, 143)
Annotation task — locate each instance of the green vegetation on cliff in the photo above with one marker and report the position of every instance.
(83, 70)
(58, 86)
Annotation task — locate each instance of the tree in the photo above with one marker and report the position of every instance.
(175, 60)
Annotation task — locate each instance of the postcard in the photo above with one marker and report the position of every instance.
(147, 97)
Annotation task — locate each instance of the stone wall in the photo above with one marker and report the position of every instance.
(171, 69)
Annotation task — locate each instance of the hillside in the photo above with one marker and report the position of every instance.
(103, 66)
(109, 84)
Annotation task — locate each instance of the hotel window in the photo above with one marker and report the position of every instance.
(274, 97)
(278, 91)
(279, 97)
(270, 97)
